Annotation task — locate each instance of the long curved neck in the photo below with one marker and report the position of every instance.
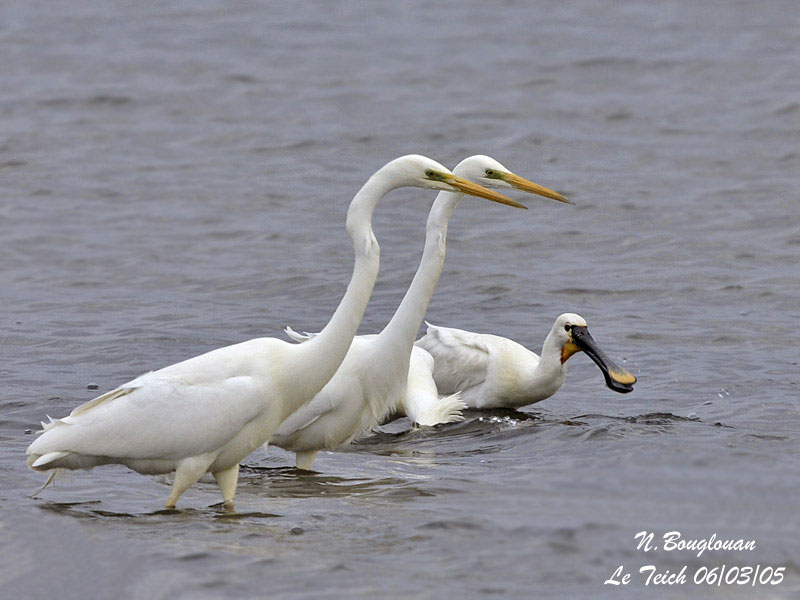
(550, 360)
(399, 334)
(318, 359)
(543, 378)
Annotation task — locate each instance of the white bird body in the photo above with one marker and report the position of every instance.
(490, 371)
(420, 402)
(209, 412)
(372, 380)
(494, 372)
(220, 393)
(201, 415)
(328, 421)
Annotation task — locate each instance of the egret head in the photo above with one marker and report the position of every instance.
(486, 171)
(573, 336)
(421, 171)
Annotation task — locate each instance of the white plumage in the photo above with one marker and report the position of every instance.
(421, 402)
(492, 371)
(207, 413)
(373, 379)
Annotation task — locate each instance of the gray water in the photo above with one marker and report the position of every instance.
(174, 178)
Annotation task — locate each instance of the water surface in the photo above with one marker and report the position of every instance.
(175, 178)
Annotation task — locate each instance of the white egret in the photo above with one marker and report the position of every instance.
(207, 413)
(492, 371)
(373, 377)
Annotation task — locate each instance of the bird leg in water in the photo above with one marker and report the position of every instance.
(189, 470)
(226, 480)
(304, 460)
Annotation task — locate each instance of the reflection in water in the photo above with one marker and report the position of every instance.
(288, 482)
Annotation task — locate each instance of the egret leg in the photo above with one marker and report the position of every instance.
(227, 483)
(189, 470)
(304, 460)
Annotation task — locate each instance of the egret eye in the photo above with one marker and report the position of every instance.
(489, 173)
(429, 173)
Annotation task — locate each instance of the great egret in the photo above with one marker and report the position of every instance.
(207, 413)
(373, 377)
(492, 371)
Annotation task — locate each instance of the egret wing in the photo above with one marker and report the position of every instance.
(320, 405)
(157, 419)
(186, 409)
